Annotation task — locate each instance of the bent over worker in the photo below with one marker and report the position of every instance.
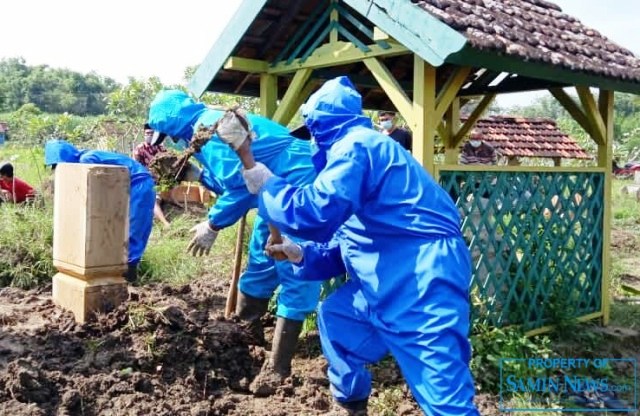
(142, 195)
(375, 213)
(175, 114)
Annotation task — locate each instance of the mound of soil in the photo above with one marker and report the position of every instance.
(167, 351)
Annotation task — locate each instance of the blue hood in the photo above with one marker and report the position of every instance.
(59, 151)
(174, 113)
(333, 110)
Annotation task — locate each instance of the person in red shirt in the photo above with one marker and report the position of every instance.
(13, 189)
(144, 153)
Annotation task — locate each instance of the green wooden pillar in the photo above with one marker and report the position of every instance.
(268, 94)
(424, 109)
(605, 159)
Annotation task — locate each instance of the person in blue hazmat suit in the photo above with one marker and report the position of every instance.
(376, 214)
(177, 115)
(142, 195)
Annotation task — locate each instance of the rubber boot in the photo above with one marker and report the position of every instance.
(278, 367)
(131, 275)
(251, 309)
(356, 408)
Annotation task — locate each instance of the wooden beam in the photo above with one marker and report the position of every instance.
(450, 89)
(336, 54)
(572, 108)
(593, 115)
(333, 35)
(288, 101)
(452, 117)
(298, 101)
(255, 66)
(605, 160)
(424, 106)
(268, 94)
(392, 88)
(379, 34)
(477, 112)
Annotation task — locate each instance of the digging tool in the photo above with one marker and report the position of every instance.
(232, 296)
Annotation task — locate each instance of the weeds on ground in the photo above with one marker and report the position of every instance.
(26, 258)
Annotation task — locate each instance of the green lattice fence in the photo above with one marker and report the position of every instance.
(536, 242)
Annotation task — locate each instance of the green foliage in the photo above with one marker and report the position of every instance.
(131, 102)
(26, 258)
(51, 90)
(28, 125)
(490, 345)
(249, 104)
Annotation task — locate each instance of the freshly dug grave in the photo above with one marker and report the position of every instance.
(168, 351)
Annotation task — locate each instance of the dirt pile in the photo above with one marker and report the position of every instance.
(168, 351)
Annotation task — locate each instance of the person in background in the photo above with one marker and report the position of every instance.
(375, 213)
(144, 154)
(142, 195)
(477, 152)
(387, 121)
(13, 189)
(177, 115)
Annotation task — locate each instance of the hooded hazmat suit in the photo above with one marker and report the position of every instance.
(175, 113)
(375, 213)
(142, 194)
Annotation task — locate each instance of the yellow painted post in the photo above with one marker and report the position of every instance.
(452, 116)
(289, 100)
(424, 108)
(605, 159)
(268, 94)
(333, 35)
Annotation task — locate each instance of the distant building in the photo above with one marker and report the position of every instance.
(517, 137)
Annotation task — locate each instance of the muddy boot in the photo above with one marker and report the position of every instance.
(131, 275)
(251, 309)
(357, 408)
(278, 366)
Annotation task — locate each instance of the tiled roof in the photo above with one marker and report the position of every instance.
(535, 30)
(527, 137)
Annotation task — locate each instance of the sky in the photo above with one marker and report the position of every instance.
(141, 38)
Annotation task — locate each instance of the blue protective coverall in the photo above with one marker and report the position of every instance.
(374, 212)
(142, 194)
(175, 113)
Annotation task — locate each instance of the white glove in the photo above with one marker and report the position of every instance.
(256, 177)
(291, 250)
(202, 240)
(233, 127)
(192, 173)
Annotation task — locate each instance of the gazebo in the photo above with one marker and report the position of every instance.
(425, 59)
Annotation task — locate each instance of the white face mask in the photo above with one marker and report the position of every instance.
(386, 124)
(474, 143)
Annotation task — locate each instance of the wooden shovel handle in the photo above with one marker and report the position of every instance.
(232, 296)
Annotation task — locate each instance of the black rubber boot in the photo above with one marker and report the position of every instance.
(278, 367)
(356, 408)
(131, 275)
(251, 309)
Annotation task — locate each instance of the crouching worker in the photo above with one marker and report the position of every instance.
(142, 195)
(175, 114)
(376, 214)
(12, 189)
